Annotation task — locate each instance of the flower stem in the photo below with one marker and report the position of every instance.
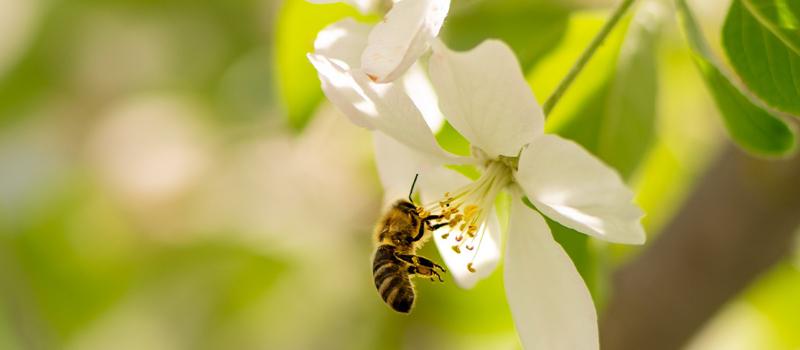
(586, 55)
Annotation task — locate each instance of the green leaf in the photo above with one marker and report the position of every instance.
(297, 26)
(617, 121)
(762, 41)
(754, 128)
(512, 21)
(781, 17)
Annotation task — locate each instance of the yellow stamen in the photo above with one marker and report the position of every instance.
(470, 210)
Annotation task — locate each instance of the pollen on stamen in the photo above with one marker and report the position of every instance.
(457, 249)
(456, 220)
(444, 236)
(470, 247)
(459, 238)
(472, 230)
(470, 268)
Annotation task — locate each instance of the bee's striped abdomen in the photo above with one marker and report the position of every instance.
(391, 279)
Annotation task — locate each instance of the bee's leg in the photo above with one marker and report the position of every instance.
(436, 226)
(432, 217)
(429, 264)
(426, 222)
(425, 272)
(420, 233)
(417, 260)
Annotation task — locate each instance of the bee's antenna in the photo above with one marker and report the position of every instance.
(412, 188)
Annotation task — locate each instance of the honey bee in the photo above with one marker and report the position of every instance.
(398, 235)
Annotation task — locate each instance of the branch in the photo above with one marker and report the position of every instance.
(739, 222)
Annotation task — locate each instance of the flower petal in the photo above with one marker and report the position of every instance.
(420, 90)
(365, 6)
(550, 304)
(484, 257)
(436, 181)
(573, 187)
(342, 90)
(402, 37)
(385, 107)
(483, 94)
(344, 40)
(398, 165)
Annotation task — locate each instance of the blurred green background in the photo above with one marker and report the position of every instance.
(170, 177)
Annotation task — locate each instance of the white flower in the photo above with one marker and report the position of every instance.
(365, 6)
(404, 34)
(484, 97)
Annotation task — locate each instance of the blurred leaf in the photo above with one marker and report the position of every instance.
(297, 26)
(530, 28)
(452, 141)
(76, 258)
(593, 80)
(7, 336)
(228, 277)
(69, 281)
(656, 194)
(762, 40)
(627, 130)
(617, 122)
(197, 41)
(754, 128)
(775, 296)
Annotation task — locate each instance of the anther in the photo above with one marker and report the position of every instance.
(457, 249)
(470, 210)
(470, 268)
(444, 236)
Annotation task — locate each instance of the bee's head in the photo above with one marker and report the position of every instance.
(406, 206)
